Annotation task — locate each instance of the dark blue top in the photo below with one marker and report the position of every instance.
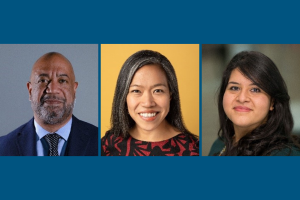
(218, 145)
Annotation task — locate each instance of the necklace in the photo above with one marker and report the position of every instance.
(223, 150)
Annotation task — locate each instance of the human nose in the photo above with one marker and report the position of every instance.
(52, 87)
(147, 100)
(243, 96)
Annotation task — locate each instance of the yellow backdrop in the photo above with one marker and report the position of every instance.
(185, 60)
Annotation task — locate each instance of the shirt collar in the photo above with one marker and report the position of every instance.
(64, 131)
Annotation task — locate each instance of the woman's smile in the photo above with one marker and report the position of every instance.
(242, 109)
(149, 116)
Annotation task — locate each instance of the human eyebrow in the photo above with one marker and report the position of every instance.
(135, 85)
(236, 83)
(159, 84)
(62, 75)
(43, 75)
(232, 82)
(253, 84)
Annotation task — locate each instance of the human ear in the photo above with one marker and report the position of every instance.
(75, 87)
(272, 105)
(29, 88)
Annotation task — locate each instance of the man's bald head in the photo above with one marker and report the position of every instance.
(50, 59)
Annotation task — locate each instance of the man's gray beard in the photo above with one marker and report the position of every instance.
(52, 114)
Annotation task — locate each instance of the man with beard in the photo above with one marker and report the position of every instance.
(53, 131)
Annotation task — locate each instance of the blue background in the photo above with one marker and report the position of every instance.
(67, 22)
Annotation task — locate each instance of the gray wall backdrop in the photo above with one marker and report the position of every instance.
(16, 61)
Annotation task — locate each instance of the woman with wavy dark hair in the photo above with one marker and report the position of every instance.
(254, 109)
(146, 116)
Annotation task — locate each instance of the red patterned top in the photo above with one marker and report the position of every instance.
(180, 145)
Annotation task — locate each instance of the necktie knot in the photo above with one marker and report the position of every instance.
(52, 140)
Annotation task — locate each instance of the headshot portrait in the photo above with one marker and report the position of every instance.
(251, 93)
(50, 100)
(150, 100)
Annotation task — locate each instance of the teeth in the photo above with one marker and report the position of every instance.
(147, 114)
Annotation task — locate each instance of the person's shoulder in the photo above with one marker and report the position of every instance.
(191, 138)
(13, 134)
(109, 142)
(217, 147)
(288, 151)
(109, 135)
(193, 144)
(80, 129)
(82, 124)
(8, 142)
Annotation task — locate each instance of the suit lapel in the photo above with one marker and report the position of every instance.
(78, 140)
(77, 145)
(26, 140)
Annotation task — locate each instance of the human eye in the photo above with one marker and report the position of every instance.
(43, 81)
(158, 91)
(233, 88)
(135, 91)
(62, 81)
(256, 90)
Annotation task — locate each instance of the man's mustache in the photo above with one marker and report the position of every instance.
(51, 97)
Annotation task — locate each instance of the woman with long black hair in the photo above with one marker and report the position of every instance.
(146, 117)
(254, 109)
